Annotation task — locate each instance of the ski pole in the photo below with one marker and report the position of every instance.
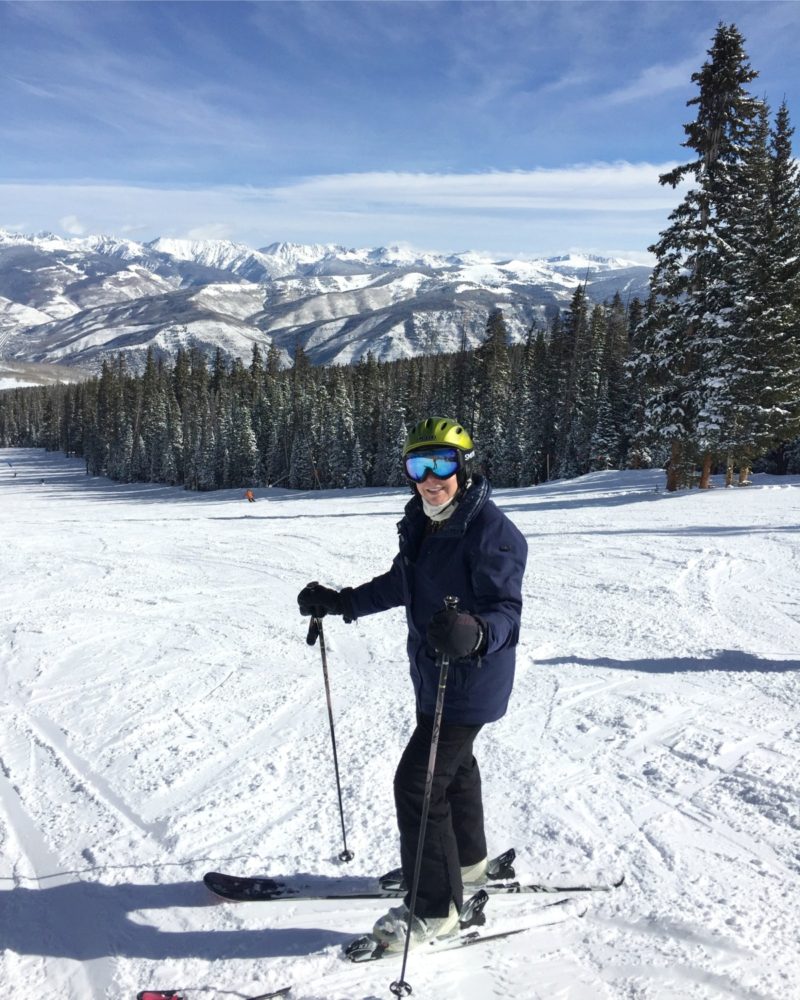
(400, 988)
(315, 632)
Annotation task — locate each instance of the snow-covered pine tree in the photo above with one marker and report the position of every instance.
(205, 461)
(585, 417)
(243, 468)
(554, 382)
(302, 472)
(171, 471)
(685, 325)
(387, 469)
(784, 289)
(492, 379)
(637, 431)
(223, 433)
(368, 402)
(529, 406)
(339, 456)
(575, 361)
(615, 387)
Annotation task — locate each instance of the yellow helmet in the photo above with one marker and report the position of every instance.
(440, 431)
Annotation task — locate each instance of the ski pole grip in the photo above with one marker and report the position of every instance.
(451, 603)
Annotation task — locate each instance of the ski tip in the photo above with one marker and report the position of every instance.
(244, 888)
(618, 881)
(218, 884)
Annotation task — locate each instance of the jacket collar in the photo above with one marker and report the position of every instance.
(468, 508)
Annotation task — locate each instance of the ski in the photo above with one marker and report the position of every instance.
(368, 948)
(500, 879)
(183, 995)
(499, 869)
(244, 888)
(256, 888)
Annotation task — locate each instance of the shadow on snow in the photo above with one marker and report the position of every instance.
(727, 660)
(89, 920)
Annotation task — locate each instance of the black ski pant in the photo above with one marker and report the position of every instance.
(454, 835)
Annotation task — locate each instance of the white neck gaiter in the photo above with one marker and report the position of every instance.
(440, 513)
(446, 509)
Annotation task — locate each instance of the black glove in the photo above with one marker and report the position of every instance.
(318, 601)
(456, 634)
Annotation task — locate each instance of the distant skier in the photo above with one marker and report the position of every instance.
(453, 541)
(250, 497)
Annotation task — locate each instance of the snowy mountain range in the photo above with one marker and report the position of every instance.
(77, 301)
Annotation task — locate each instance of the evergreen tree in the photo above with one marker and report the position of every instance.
(388, 469)
(574, 367)
(638, 431)
(492, 382)
(536, 410)
(782, 307)
(243, 462)
(689, 294)
(615, 390)
(302, 472)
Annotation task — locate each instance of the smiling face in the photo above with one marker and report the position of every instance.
(437, 491)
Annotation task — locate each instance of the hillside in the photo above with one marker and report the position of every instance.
(77, 301)
(163, 716)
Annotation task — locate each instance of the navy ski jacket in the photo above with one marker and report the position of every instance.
(479, 556)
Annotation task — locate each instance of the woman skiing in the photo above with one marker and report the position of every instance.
(453, 541)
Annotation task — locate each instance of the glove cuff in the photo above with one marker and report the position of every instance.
(346, 597)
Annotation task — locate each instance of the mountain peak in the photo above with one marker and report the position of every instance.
(79, 300)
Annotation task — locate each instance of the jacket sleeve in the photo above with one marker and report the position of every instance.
(497, 566)
(379, 594)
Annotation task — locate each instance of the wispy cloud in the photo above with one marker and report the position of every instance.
(533, 125)
(653, 81)
(540, 211)
(588, 187)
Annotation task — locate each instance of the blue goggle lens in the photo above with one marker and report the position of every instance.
(441, 462)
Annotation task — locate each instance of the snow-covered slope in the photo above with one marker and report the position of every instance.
(19, 374)
(80, 300)
(162, 715)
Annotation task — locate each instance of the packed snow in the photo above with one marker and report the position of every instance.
(12, 383)
(162, 715)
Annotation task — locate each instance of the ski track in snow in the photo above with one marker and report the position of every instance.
(162, 715)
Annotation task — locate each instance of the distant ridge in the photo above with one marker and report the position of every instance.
(76, 301)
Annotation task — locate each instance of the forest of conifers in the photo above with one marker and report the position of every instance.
(703, 375)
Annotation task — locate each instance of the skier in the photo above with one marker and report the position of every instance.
(249, 496)
(453, 541)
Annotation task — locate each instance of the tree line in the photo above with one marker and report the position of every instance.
(703, 375)
(557, 405)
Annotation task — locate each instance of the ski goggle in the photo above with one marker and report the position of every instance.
(442, 462)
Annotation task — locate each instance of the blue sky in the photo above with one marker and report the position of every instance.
(517, 128)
